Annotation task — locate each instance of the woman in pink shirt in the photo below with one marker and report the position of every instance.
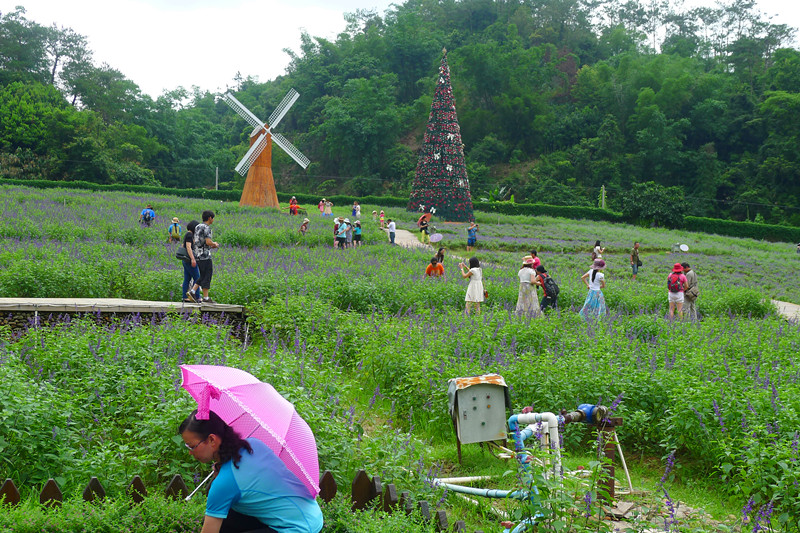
(676, 285)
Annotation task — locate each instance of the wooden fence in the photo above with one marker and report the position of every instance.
(366, 493)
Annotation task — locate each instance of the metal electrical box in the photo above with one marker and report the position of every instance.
(478, 408)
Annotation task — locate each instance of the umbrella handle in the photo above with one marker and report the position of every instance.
(189, 497)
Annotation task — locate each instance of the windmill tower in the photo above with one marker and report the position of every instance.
(259, 187)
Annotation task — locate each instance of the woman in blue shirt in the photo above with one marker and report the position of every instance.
(252, 489)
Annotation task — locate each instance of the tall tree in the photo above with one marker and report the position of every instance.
(441, 185)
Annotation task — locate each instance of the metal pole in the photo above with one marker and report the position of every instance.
(216, 183)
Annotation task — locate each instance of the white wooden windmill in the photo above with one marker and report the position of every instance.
(259, 187)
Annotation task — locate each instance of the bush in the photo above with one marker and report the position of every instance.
(767, 232)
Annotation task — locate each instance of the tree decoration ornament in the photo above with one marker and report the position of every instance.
(441, 180)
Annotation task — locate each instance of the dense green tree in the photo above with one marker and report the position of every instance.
(654, 204)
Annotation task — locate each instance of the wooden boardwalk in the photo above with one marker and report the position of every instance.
(108, 305)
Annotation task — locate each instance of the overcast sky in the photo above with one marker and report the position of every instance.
(163, 44)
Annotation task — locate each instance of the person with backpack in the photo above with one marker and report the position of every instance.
(472, 236)
(676, 285)
(594, 306)
(549, 288)
(191, 274)
(147, 216)
(203, 244)
(174, 231)
(527, 301)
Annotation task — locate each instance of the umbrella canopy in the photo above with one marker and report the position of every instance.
(436, 237)
(256, 409)
(426, 217)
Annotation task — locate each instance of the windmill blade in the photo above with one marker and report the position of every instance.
(251, 155)
(287, 102)
(242, 111)
(290, 149)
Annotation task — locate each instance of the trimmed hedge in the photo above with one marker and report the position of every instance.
(561, 211)
(144, 189)
(752, 230)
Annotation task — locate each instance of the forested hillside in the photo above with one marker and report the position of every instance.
(555, 98)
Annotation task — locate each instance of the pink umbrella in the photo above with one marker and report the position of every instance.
(255, 409)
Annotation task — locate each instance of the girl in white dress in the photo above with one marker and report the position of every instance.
(474, 295)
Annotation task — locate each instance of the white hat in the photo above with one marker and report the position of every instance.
(306, 220)
(347, 220)
(175, 220)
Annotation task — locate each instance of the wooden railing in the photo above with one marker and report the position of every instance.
(367, 493)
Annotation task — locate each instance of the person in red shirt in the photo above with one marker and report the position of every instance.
(435, 269)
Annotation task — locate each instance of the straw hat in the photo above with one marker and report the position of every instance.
(598, 264)
(527, 260)
(677, 267)
(175, 220)
(306, 220)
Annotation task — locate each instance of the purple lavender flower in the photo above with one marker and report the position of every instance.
(719, 415)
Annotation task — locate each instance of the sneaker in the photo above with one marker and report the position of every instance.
(207, 301)
(190, 297)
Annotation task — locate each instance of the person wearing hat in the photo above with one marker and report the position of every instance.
(357, 233)
(676, 285)
(691, 293)
(594, 306)
(549, 288)
(341, 233)
(174, 230)
(348, 233)
(527, 301)
(293, 206)
(304, 227)
(147, 216)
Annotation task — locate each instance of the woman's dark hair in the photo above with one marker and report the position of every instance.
(231, 442)
(191, 225)
(594, 273)
(474, 263)
(597, 242)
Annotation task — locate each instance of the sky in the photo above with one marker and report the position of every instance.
(163, 44)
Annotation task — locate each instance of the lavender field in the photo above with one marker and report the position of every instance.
(364, 346)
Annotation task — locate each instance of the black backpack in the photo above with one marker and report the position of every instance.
(550, 286)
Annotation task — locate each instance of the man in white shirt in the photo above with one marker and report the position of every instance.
(392, 227)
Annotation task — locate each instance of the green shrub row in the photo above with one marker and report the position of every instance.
(753, 230)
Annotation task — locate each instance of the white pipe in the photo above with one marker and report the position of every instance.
(189, 497)
(624, 466)
(464, 479)
(552, 430)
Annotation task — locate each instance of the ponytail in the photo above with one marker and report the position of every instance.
(230, 441)
(594, 273)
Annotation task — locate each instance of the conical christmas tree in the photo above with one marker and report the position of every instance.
(441, 186)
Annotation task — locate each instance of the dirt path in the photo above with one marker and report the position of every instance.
(407, 239)
(787, 310)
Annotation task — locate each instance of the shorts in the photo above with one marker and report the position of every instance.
(471, 242)
(206, 268)
(676, 297)
(635, 268)
(356, 238)
(341, 240)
